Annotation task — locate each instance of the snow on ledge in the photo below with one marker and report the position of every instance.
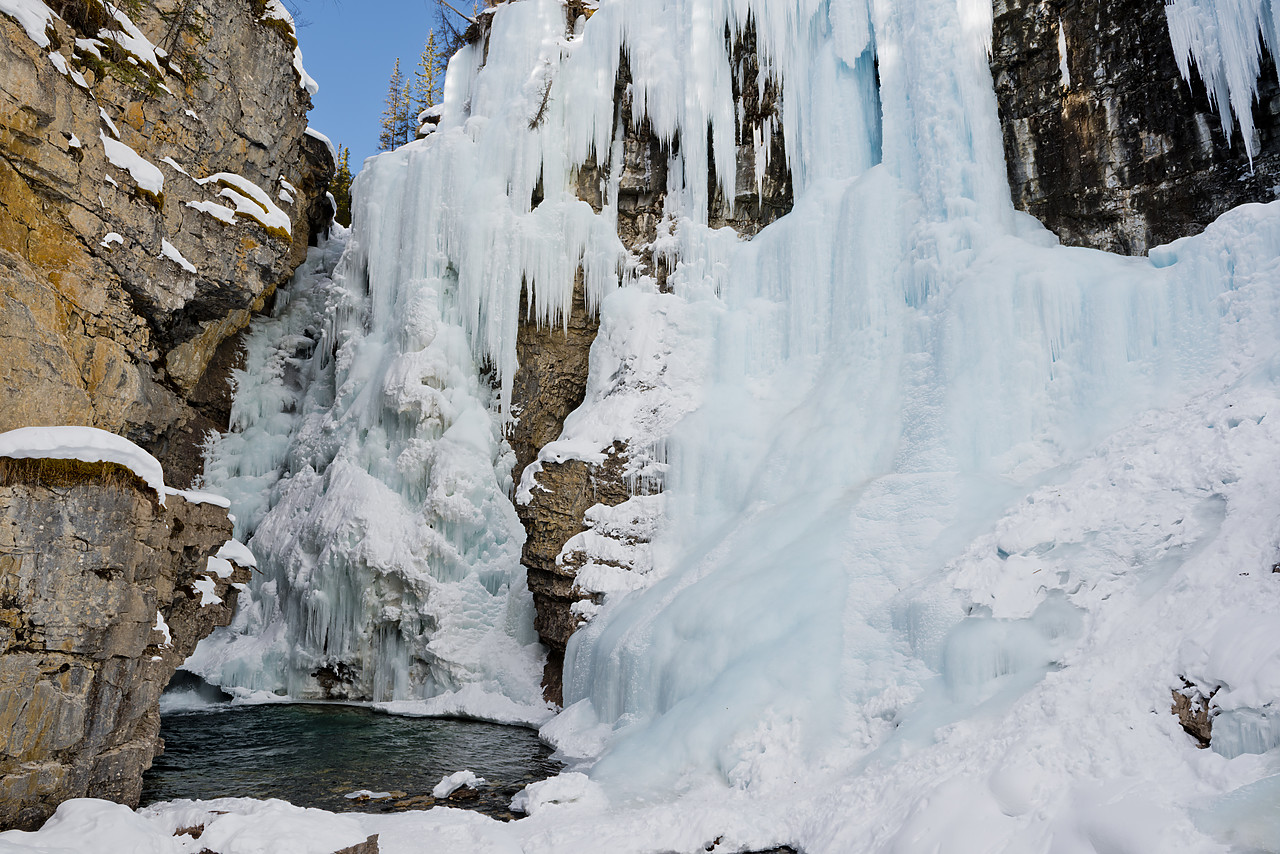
(146, 174)
(87, 444)
(315, 134)
(168, 250)
(32, 15)
(195, 496)
(250, 200)
(238, 553)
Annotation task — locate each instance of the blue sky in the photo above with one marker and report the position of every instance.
(349, 46)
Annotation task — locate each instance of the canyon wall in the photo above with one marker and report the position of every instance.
(1106, 143)
(156, 185)
(104, 592)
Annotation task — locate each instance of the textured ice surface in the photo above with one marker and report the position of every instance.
(367, 476)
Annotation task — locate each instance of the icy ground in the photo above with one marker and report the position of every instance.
(954, 513)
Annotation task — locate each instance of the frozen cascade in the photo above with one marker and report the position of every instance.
(952, 501)
(367, 474)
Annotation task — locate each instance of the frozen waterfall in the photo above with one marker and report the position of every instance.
(956, 508)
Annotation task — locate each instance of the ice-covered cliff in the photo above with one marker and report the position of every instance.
(926, 516)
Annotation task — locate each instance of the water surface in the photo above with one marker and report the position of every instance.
(314, 755)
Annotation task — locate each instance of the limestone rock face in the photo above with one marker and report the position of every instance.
(1119, 153)
(116, 292)
(88, 562)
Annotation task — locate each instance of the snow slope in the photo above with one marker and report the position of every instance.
(957, 510)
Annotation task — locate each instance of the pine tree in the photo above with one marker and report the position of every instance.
(340, 186)
(427, 82)
(395, 115)
(407, 127)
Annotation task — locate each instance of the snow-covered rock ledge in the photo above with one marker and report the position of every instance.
(110, 579)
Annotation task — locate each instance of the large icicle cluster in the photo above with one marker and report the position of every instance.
(1225, 41)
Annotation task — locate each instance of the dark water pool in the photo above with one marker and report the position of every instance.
(313, 755)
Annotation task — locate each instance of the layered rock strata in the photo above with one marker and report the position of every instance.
(1105, 142)
(103, 594)
(554, 362)
(148, 207)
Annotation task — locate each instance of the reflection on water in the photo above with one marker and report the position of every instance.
(313, 755)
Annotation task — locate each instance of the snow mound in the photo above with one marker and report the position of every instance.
(455, 781)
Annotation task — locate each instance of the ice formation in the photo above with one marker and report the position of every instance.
(955, 510)
(1225, 41)
(368, 478)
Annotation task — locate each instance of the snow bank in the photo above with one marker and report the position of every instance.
(88, 444)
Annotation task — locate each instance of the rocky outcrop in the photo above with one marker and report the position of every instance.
(552, 378)
(149, 205)
(1194, 711)
(103, 594)
(1105, 142)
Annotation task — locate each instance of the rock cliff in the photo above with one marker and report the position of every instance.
(156, 185)
(104, 592)
(1105, 142)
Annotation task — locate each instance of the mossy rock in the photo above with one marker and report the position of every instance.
(61, 474)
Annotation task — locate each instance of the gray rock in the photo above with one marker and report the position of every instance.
(88, 558)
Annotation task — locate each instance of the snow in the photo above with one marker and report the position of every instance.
(947, 510)
(215, 210)
(173, 164)
(473, 701)
(163, 627)
(132, 39)
(112, 238)
(60, 62)
(145, 174)
(249, 199)
(106, 119)
(74, 141)
(195, 496)
(238, 553)
(220, 566)
(32, 15)
(168, 250)
(88, 444)
(451, 783)
(275, 9)
(315, 134)
(206, 587)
